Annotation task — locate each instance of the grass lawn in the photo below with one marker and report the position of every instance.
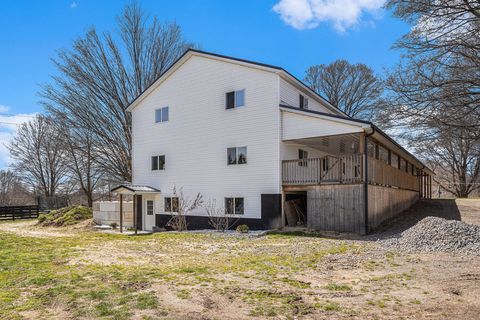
(75, 273)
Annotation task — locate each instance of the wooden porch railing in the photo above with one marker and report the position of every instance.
(327, 169)
(380, 173)
(345, 169)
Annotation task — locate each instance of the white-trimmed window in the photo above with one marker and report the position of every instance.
(237, 155)
(149, 207)
(171, 204)
(302, 101)
(235, 99)
(161, 115)
(234, 205)
(158, 163)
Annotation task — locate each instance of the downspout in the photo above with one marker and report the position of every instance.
(365, 181)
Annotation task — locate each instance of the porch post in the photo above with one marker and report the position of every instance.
(121, 213)
(135, 212)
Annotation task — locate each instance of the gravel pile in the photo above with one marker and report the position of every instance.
(434, 234)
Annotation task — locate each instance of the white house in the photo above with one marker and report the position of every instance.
(264, 146)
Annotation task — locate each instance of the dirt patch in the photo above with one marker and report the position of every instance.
(31, 229)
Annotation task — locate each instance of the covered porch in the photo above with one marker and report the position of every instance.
(139, 194)
(350, 175)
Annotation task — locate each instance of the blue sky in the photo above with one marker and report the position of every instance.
(293, 34)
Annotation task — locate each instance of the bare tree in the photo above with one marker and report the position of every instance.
(12, 190)
(178, 221)
(101, 75)
(353, 88)
(83, 168)
(455, 157)
(39, 154)
(440, 71)
(218, 217)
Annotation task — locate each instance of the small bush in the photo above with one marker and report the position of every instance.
(65, 216)
(114, 225)
(243, 228)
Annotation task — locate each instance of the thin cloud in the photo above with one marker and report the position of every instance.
(4, 109)
(341, 14)
(73, 5)
(9, 125)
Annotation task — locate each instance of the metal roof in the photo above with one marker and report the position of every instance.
(135, 188)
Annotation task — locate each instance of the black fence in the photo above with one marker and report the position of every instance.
(18, 212)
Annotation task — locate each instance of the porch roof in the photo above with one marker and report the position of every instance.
(351, 125)
(134, 189)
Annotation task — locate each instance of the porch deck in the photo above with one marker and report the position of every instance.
(347, 170)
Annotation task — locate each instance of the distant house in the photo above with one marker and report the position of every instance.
(270, 151)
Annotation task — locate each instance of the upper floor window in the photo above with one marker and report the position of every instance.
(237, 155)
(171, 204)
(161, 115)
(149, 207)
(158, 163)
(303, 101)
(235, 99)
(234, 206)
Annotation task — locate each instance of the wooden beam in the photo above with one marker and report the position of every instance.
(121, 213)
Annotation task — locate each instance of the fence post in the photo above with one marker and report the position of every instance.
(13, 213)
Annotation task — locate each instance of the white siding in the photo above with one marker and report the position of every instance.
(297, 126)
(289, 95)
(199, 131)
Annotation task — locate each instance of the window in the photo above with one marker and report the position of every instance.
(171, 204)
(235, 99)
(303, 101)
(394, 160)
(161, 115)
(149, 207)
(234, 206)
(158, 163)
(302, 155)
(383, 154)
(237, 155)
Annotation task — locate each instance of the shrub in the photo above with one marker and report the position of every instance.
(65, 216)
(243, 228)
(114, 225)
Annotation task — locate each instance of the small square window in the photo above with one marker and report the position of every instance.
(234, 206)
(237, 155)
(171, 204)
(235, 99)
(161, 115)
(158, 163)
